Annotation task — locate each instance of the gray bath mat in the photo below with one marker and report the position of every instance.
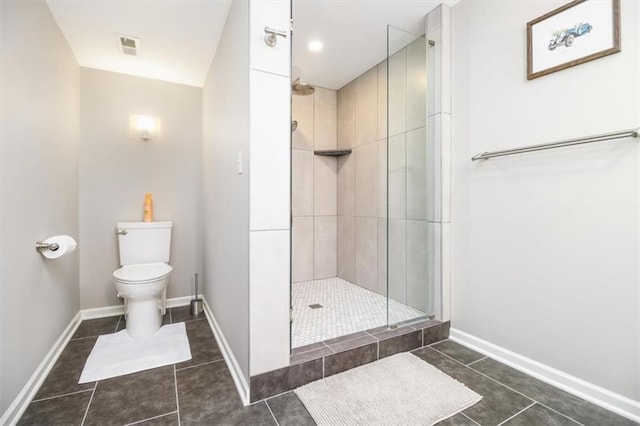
(398, 390)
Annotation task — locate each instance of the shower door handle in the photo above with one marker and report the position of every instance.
(271, 36)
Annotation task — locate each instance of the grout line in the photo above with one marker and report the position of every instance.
(516, 414)
(175, 382)
(345, 340)
(477, 360)
(271, 411)
(150, 418)
(86, 337)
(198, 365)
(89, 404)
(470, 418)
(332, 350)
(60, 396)
(273, 396)
(508, 387)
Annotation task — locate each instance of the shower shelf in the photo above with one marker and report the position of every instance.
(332, 152)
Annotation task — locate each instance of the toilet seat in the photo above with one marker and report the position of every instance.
(141, 274)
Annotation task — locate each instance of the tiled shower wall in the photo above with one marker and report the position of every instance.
(362, 179)
(314, 186)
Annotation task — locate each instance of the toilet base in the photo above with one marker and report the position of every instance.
(143, 318)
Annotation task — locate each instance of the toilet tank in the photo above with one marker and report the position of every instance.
(142, 242)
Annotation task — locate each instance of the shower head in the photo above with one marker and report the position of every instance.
(294, 125)
(302, 89)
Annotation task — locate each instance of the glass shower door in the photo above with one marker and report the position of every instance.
(410, 292)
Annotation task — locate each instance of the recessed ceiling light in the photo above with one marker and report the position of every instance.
(315, 46)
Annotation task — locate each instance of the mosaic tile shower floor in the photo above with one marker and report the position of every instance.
(346, 308)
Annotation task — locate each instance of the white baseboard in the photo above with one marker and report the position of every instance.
(600, 396)
(20, 404)
(229, 358)
(112, 311)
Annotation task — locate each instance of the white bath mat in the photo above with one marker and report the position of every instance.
(399, 390)
(118, 354)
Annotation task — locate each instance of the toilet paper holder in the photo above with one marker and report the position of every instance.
(40, 246)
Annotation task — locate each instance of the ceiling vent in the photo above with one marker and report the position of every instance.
(129, 45)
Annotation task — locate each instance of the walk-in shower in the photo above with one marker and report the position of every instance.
(360, 182)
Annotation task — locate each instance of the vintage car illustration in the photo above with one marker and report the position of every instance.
(567, 36)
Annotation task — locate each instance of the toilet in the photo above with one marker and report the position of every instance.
(144, 274)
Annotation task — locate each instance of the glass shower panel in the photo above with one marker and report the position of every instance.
(410, 293)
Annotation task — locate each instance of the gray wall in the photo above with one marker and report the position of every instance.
(545, 245)
(226, 193)
(314, 187)
(39, 189)
(117, 169)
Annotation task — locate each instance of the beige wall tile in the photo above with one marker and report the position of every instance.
(382, 178)
(416, 84)
(382, 100)
(397, 92)
(346, 185)
(325, 247)
(367, 253)
(347, 115)
(397, 153)
(302, 112)
(325, 124)
(367, 180)
(417, 174)
(396, 184)
(382, 257)
(302, 182)
(367, 107)
(396, 265)
(347, 248)
(397, 194)
(302, 255)
(325, 185)
(417, 264)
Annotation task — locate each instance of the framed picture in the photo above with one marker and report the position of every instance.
(573, 34)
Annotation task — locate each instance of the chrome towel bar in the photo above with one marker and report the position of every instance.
(633, 133)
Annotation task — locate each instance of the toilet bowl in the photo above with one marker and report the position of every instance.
(143, 288)
(144, 275)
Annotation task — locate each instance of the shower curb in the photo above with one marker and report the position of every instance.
(323, 359)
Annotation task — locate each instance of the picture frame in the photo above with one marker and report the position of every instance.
(573, 34)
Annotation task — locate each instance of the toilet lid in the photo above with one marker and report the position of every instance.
(145, 272)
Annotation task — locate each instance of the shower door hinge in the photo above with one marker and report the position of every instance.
(291, 315)
(291, 24)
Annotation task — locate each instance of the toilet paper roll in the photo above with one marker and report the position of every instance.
(66, 245)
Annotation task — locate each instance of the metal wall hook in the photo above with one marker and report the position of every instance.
(271, 36)
(40, 246)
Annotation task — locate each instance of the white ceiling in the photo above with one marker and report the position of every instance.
(178, 37)
(354, 34)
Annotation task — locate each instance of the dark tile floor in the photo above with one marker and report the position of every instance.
(202, 392)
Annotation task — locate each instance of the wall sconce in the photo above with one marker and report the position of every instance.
(145, 127)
